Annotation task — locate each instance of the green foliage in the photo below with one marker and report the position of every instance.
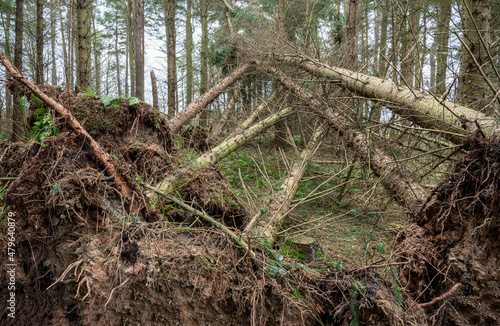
(25, 104)
(380, 247)
(91, 94)
(336, 264)
(292, 252)
(248, 17)
(296, 294)
(107, 100)
(43, 126)
(320, 253)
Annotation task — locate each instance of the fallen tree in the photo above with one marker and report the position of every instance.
(186, 114)
(450, 120)
(405, 189)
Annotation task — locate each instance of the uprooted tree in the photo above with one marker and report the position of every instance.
(114, 225)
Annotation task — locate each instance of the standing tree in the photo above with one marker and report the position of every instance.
(189, 54)
(139, 49)
(39, 42)
(169, 11)
(17, 114)
(83, 43)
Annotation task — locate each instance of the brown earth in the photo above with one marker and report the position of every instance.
(84, 259)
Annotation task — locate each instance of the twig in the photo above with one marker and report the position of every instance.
(444, 296)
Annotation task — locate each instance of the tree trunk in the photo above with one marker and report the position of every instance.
(6, 126)
(83, 57)
(139, 50)
(117, 57)
(201, 102)
(155, 89)
(352, 35)
(189, 54)
(63, 39)
(96, 58)
(53, 79)
(454, 122)
(131, 42)
(279, 203)
(405, 189)
(204, 47)
(442, 37)
(472, 88)
(39, 42)
(17, 114)
(169, 11)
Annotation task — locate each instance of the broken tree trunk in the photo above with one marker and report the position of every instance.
(454, 122)
(270, 222)
(98, 152)
(402, 185)
(223, 149)
(195, 106)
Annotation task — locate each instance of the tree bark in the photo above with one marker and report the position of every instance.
(169, 11)
(39, 42)
(17, 114)
(139, 50)
(53, 79)
(405, 189)
(352, 35)
(154, 89)
(442, 37)
(189, 54)
(98, 152)
(201, 102)
(83, 56)
(453, 121)
(117, 57)
(204, 47)
(472, 88)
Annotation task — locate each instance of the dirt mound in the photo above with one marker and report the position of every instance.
(114, 122)
(150, 161)
(198, 138)
(206, 189)
(458, 242)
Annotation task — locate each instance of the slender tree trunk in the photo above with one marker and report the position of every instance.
(83, 61)
(442, 37)
(53, 79)
(472, 88)
(6, 126)
(139, 50)
(204, 47)
(17, 115)
(169, 11)
(39, 42)
(352, 35)
(453, 121)
(189, 54)
(201, 102)
(63, 38)
(155, 89)
(117, 57)
(131, 42)
(96, 57)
